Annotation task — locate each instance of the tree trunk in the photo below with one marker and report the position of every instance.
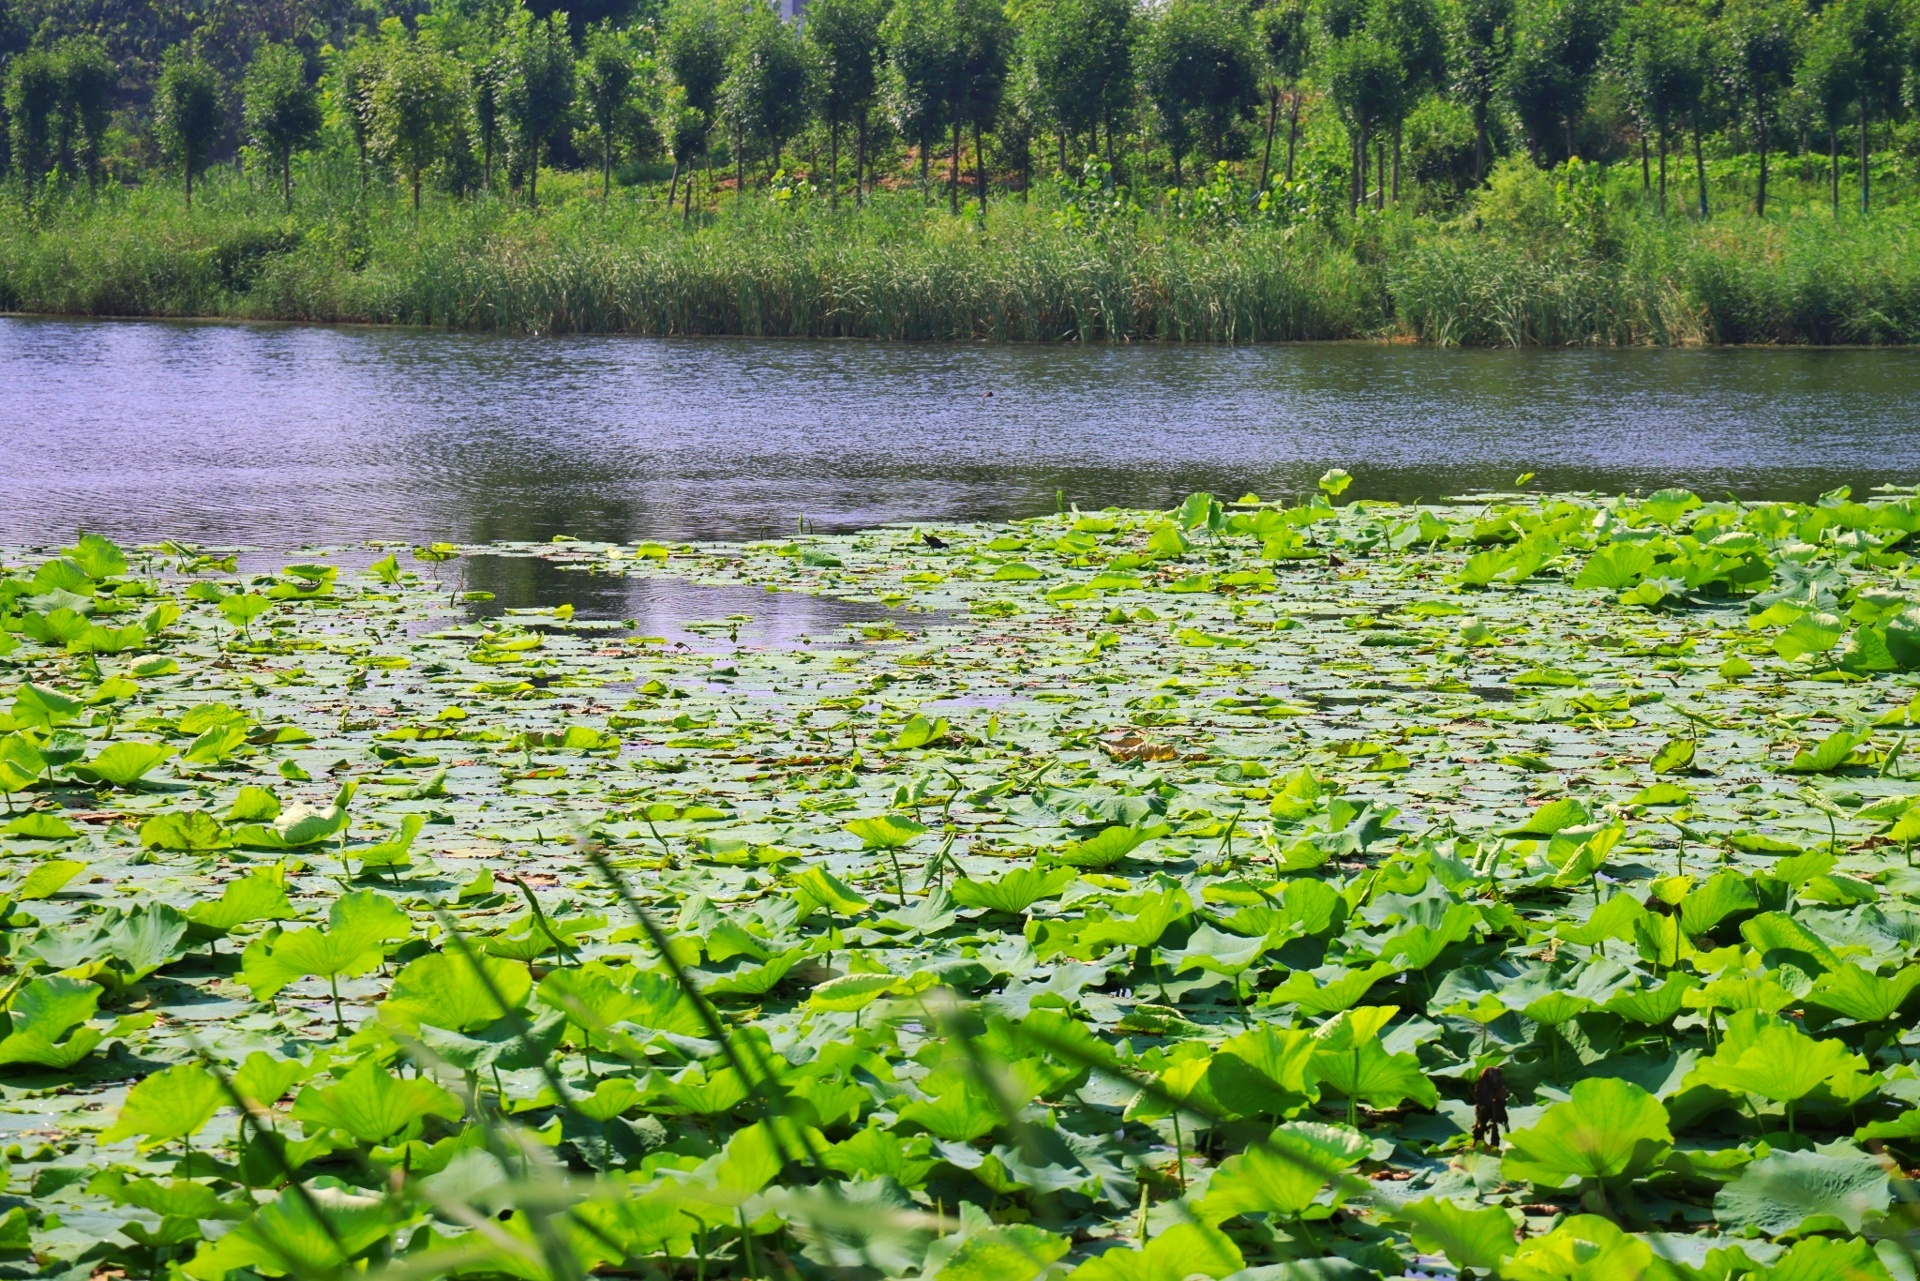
(1273, 116)
(1663, 173)
(925, 161)
(1760, 194)
(859, 159)
(1061, 135)
(1646, 178)
(416, 195)
(673, 185)
(1833, 165)
(980, 170)
(686, 208)
(739, 165)
(606, 170)
(486, 163)
(833, 163)
(286, 180)
(1293, 128)
(1177, 182)
(533, 180)
(1863, 153)
(1700, 169)
(189, 182)
(1380, 174)
(953, 169)
(1479, 143)
(1396, 161)
(1356, 173)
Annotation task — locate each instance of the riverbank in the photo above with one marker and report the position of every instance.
(1033, 273)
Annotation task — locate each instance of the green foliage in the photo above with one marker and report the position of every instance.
(186, 113)
(1197, 949)
(1608, 1130)
(281, 109)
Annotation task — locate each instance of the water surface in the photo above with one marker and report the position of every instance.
(276, 436)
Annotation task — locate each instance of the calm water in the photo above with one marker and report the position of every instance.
(277, 436)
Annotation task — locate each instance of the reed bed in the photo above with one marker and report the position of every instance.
(901, 271)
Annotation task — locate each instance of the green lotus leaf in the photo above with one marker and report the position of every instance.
(450, 990)
(1013, 893)
(47, 878)
(1110, 846)
(1793, 1192)
(1778, 1063)
(123, 764)
(1180, 1253)
(1285, 1175)
(373, 1105)
(300, 1232)
(40, 826)
(188, 830)
(46, 1023)
(1609, 1129)
(1480, 1238)
(171, 1104)
(260, 895)
(360, 929)
(885, 831)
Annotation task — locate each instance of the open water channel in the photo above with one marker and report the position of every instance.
(276, 436)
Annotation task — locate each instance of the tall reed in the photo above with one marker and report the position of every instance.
(900, 271)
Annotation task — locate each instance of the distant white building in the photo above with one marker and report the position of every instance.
(791, 10)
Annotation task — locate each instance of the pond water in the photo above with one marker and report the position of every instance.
(275, 436)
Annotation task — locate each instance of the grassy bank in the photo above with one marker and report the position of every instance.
(1510, 271)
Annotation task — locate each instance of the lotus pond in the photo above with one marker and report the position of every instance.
(1519, 886)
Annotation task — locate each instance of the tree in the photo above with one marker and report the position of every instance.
(1367, 85)
(1828, 79)
(1555, 52)
(845, 39)
(1761, 43)
(768, 82)
(415, 103)
(607, 73)
(538, 90)
(1412, 28)
(486, 89)
(355, 71)
(86, 88)
(1662, 65)
(922, 72)
(1197, 72)
(33, 92)
(1482, 36)
(684, 133)
(186, 112)
(695, 41)
(1286, 41)
(281, 110)
(984, 40)
(1080, 55)
(1873, 34)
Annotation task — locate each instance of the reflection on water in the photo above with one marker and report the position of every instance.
(700, 616)
(277, 435)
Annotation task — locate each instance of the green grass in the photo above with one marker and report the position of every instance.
(1511, 273)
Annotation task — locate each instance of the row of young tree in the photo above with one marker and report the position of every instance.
(468, 91)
